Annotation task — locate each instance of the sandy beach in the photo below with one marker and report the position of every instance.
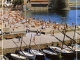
(15, 23)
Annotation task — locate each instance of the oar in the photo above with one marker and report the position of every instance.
(15, 44)
(39, 48)
(64, 36)
(74, 35)
(75, 30)
(21, 45)
(36, 45)
(21, 42)
(25, 43)
(30, 41)
(67, 36)
(62, 41)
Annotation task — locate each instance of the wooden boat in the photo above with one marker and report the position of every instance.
(76, 48)
(4, 58)
(25, 53)
(56, 49)
(50, 54)
(38, 55)
(15, 56)
(66, 53)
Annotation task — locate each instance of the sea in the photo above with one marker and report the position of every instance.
(59, 16)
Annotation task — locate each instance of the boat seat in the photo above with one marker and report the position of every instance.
(9, 37)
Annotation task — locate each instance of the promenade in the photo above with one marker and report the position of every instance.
(38, 39)
(13, 22)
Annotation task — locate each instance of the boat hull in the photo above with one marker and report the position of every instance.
(77, 54)
(38, 54)
(52, 56)
(4, 58)
(26, 54)
(40, 57)
(68, 56)
(14, 58)
(19, 59)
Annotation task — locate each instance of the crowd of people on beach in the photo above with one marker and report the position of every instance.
(14, 20)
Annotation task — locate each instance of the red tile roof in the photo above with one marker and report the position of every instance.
(39, 0)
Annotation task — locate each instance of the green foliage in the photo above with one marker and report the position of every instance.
(18, 2)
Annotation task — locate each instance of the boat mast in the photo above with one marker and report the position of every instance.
(74, 36)
(21, 41)
(30, 41)
(64, 31)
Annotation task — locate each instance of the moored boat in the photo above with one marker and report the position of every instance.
(51, 54)
(56, 49)
(26, 54)
(4, 58)
(66, 53)
(39, 55)
(76, 48)
(15, 56)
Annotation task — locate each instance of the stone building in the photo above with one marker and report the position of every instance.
(39, 4)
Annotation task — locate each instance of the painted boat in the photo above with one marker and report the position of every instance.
(76, 48)
(15, 56)
(56, 49)
(51, 54)
(39, 55)
(25, 53)
(66, 53)
(4, 58)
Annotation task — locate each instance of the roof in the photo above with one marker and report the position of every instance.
(39, 0)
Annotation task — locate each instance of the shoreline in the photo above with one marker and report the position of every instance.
(41, 46)
(15, 22)
(33, 22)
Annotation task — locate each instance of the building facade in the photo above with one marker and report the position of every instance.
(39, 4)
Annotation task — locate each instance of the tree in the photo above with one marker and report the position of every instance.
(17, 2)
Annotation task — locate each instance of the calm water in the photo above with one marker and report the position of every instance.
(72, 16)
